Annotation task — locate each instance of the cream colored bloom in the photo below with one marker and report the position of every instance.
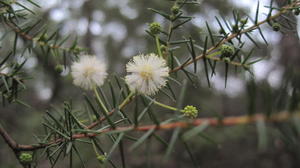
(88, 72)
(147, 74)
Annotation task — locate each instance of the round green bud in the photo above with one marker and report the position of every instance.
(101, 158)
(227, 59)
(59, 68)
(94, 118)
(297, 11)
(154, 28)
(276, 26)
(44, 37)
(190, 111)
(227, 50)
(244, 21)
(175, 9)
(25, 158)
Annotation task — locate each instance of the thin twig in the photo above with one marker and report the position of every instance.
(227, 121)
(232, 36)
(30, 38)
(7, 138)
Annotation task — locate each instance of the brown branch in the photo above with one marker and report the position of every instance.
(227, 121)
(8, 139)
(234, 35)
(36, 40)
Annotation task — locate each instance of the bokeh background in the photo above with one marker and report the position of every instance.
(114, 30)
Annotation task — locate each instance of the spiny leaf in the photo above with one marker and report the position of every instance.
(210, 34)
(141, 140)
(182, 95)
(263, 37)
(194, 131)
(190, 154)
(115, 145)
(205, 61)
(122, 152)
(112, 94)
(107, 104)
(136, 110)
(193, 54)
(171, 90)
(5, 59)
(165, 15)
(91, 106)
(182, 23)
(252, 40)
(247, 57)
(160, 139)
(226, 73)
(175, 42)
(144, 111)
(257, 13)
(172, 142)
(79, 156)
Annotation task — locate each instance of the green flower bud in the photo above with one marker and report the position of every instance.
(226, 59)
(276, 26)
(44, 37)
(94, 118)
(59, 68)
(25, 158)
(190, 111)
(101, 158)
(175, 9)
(244, 21)
(227, 50)
(155, 28)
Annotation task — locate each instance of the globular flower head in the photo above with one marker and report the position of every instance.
(227, 50)
(154, 28)
(25, 158)
(102, 158)
(276, 26)
(244, 21)
(190, 111)
(88, 72)
(147, 74)
(175, 9)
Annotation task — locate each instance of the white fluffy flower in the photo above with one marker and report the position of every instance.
(88, 72)
(147, 73)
